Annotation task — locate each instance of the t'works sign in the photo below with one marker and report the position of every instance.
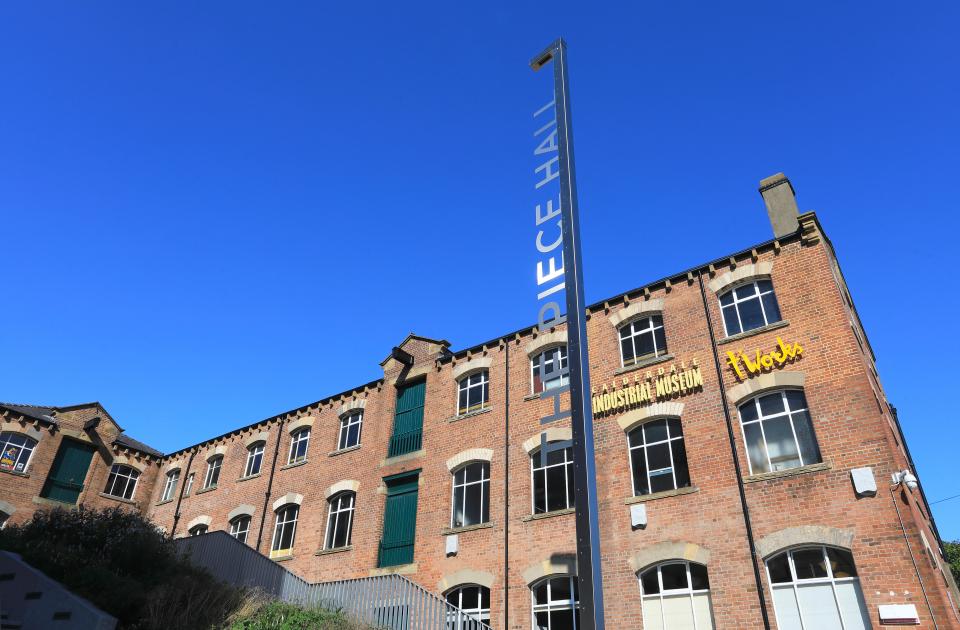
(646, 389)
(745, 366)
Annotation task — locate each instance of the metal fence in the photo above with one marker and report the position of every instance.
(389, 601)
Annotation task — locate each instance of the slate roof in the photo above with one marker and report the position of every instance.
(125, 440)
(43, 414)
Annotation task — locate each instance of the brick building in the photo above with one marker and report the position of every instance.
(744, 450)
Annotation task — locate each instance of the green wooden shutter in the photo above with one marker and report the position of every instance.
(399, 521)
(68, 472)
(408, 420)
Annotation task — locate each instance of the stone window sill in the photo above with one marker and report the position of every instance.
(15, 473)
(398, 569)
(158, 503)
(396, 459)
(294, 464)
(343, 450)
(643, 498)
(532, 396)
(543, 515)
(117, 499)
(327, 552)
(289, 556)
(756, 331)
(470, 414)
(639, 365)
(447, 531)
(249, 477)
(50, 502)
(790, 472)
(210, 489)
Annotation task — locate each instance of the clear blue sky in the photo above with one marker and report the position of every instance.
(213, 212)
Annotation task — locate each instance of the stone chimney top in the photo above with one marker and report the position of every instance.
(781, 200)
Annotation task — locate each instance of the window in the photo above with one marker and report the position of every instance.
(213, 472)
(170, 485)
(778, 432)
(473, 392)
(471, 495)
(197, 530)
(298, 445)
(556, 604)
(658, 457)
(642, 339)
(340, 520)
(240, 527)
(749, 306)
(186, 491)
(254, 459)
(552, 480)
(285, 530)
(122, 481)
(676, 596)
(554, 362)
(816, 588)
(473, 600)
(350, 425)
(15, 451)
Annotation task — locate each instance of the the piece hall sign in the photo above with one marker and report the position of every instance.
(647, 388)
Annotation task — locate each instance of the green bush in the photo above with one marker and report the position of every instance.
(282, 616)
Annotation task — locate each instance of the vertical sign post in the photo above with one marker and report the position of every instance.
(557, 148)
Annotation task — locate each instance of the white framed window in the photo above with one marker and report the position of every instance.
(350, 427)
(471, 495)
(254, 459)
(213, 472)
(658, 458)
(15, 451)
(676, 596)
(170, 485)
(473, 600)
(473, 392)
(642, 339)
(778, 432)
(240, 527)
(299, 443)
(556, 603)
(122, 481)
(817, 588)
(340, 520)
(190, 478)
(285, 530)
(554, 362)
(552, 480)
(198, 530)
(749, 306)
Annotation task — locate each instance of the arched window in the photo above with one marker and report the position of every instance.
(122, 481)
(472, 599)
(170, 485)
(816, 588)
(552, 479)
(15, 451)
(213, 472)
(197, 530)
(285, 530)
(254, 459)
(340, 520)
(556, 603)
(299, 442)
(471, 495)
(554, 362)
(642, 339)
(658, 458)
(749, 306)
(676, 596)
(240, 527)
(473, 392)
(350, 426)
(778, 432)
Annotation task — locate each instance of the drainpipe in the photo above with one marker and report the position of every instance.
(736, 459)
(266, 496)
(506, 485)
(900, 481)
(183, 486)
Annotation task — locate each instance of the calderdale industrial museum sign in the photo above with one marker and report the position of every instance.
(746, 366)
(651, 387)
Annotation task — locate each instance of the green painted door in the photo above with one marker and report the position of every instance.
(408, 420)
(68, 472)
(399, 521)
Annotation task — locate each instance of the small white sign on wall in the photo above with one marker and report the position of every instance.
(899, 615)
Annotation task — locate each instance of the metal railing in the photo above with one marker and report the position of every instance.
(391, 602)
(405, 442)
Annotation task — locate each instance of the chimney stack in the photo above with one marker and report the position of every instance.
(781, 200)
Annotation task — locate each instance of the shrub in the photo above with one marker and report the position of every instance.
(283, 616)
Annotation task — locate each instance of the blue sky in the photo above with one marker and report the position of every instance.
(214, 212)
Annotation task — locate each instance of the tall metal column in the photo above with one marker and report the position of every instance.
(589, 578)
